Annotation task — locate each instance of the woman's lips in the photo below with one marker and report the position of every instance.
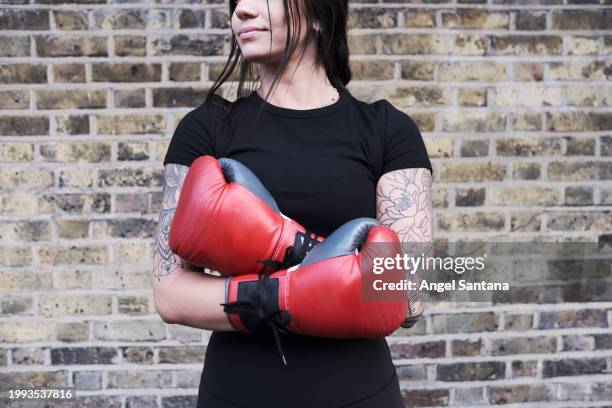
(249, 34)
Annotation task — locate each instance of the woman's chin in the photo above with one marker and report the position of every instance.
(257, 57)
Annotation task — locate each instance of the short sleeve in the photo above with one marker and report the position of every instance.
(403, 144)
(191, 139)
(197, 132)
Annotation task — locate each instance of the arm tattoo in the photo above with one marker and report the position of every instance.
(404, 204)
(166, 260)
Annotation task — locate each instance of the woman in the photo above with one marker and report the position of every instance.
(326, 158)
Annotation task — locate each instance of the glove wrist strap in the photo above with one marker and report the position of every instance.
(257, 306)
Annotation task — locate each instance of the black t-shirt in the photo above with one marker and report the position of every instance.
(321, 165)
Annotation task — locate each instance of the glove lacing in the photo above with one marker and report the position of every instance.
(259, 305)
(303, 242)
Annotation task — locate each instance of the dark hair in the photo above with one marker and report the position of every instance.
(333, 52)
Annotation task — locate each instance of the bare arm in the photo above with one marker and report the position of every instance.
(183, 293)
(403, 203)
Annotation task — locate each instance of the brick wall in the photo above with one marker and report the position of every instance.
(513, 100)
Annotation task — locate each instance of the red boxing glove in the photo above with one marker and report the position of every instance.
(321, 296)
(226, 220)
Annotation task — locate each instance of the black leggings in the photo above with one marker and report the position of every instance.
(388, 397)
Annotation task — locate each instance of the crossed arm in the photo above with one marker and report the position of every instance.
(404, 203)
(184, 295)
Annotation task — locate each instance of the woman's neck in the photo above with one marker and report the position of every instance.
(300, 87)
(306, 99)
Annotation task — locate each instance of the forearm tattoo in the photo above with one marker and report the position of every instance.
(166, 261)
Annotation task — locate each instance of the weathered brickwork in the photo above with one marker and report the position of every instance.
(513, 99)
